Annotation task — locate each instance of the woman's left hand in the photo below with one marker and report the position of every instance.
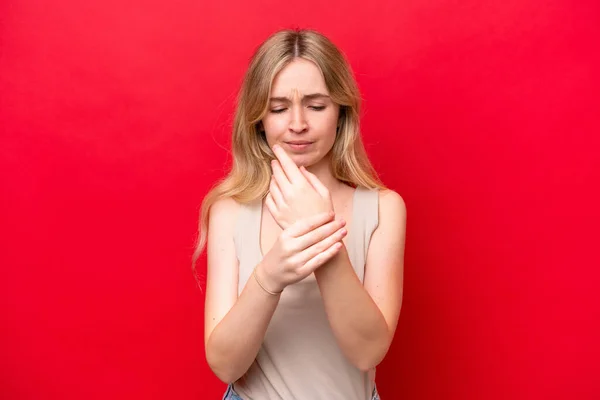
(294, 192)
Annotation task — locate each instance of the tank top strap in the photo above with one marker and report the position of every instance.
(365, 219)
(246, 239)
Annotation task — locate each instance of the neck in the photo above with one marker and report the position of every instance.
(322, 170)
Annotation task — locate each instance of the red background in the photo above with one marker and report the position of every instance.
(115, 119)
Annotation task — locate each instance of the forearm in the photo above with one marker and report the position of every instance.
(234, 343)
(357, 323)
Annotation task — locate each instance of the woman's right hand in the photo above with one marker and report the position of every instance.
(300, 249)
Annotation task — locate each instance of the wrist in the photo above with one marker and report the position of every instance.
(332, 265)
(265, 281)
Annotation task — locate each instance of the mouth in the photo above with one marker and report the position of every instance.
(298, 144)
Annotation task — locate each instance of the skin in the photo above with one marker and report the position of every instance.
(302, 234)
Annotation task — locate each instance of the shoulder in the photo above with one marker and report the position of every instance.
(387, 243)
(223, 213)
(392, 209)
(391, 202)
(225, 205)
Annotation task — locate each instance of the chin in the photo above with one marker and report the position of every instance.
(302, 161)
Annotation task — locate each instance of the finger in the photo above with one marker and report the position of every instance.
(274, 210)
(284, 184)
(276, 193)
(321, 246)
(315, 182)
(319, 259)
(271, 206)
(306, 225)
(321, 233)
(289, 166)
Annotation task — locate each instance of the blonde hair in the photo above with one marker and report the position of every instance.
(250, 173)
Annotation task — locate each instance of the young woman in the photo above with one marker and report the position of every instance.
(305, 245)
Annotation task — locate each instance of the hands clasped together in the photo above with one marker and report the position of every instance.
(302, 206)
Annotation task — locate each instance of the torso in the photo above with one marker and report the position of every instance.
(299, 346)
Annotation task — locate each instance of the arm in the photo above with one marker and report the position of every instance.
(364, 317)
(234, 327)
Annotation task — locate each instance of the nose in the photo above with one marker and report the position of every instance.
(298, 123)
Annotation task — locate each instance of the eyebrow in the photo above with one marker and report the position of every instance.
(311, 96)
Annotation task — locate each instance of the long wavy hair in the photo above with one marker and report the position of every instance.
(250, 174)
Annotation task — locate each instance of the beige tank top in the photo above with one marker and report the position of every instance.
(300, 358)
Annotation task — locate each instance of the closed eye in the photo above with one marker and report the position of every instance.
(314, 108)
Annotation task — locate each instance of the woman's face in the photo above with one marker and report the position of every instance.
(301, 117)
